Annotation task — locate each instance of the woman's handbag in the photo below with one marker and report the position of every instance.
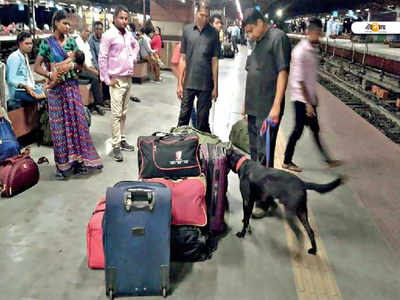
(17, 174)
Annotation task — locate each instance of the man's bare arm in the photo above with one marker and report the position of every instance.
(215, 71)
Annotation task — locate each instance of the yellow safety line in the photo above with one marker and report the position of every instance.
(313, 276)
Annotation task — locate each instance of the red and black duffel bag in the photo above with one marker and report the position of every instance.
(168, 156)
(17, 174)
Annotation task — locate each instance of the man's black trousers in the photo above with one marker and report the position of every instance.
(303, 120)
(203, 108)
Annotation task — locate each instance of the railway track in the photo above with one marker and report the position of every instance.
(382, 114)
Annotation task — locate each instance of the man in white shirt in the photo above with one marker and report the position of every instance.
(93, 75)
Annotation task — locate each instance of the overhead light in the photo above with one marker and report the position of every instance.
(367, 9)
(279, 13)
(266, 16)
(358, 10)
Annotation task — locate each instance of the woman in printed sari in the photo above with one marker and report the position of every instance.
(73, 146)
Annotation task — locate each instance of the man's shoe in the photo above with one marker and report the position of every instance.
(99, 110)
(126, 147)
(292, 167)
(135, 99)
(93, 110)
(258, 213)
(117, 154)
(106, 106)
(334, 163)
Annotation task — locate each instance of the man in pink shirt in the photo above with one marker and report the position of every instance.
(117, 55)
(302, 84)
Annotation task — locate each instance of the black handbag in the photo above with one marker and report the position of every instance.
(168, 156)
(189, 244)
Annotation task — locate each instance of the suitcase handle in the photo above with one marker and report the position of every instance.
(139, 199)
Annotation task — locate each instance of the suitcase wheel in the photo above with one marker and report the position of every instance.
(110, 295)
(164, 292)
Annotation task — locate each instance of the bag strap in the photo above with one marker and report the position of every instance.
(266, 129)
(13, 159)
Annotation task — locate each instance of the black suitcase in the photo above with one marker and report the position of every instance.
(136, 237)
(169, 156)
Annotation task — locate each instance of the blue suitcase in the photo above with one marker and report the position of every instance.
(136, 236)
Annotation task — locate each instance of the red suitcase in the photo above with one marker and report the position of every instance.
(188, 200)
(94, 237)
(17, 174)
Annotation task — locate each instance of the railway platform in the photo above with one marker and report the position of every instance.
(43, 231)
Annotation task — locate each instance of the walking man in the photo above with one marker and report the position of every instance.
(118, 53)
(199, 69)
(267, 76)
(302, 83)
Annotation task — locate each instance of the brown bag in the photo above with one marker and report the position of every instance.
(17, 174)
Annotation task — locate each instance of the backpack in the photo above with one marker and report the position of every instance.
(9, 145)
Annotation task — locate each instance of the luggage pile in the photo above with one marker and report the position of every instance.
(173, 213)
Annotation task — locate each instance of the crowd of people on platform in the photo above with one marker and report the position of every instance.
(331, 26)
(103, 60)
(110, 58)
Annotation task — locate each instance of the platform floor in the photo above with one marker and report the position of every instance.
(43, 231)
(377, 49)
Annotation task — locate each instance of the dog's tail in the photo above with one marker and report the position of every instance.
(323, 188)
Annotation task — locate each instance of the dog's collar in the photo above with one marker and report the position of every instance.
(240, 163)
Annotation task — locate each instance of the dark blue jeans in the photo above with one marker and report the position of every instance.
(194, 118)
(23, 96)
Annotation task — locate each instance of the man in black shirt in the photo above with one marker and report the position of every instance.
(199, 69)
(267, 76)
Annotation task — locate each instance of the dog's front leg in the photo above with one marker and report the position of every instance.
(248, 204)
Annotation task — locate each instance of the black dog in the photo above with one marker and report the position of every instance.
(258, 183)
